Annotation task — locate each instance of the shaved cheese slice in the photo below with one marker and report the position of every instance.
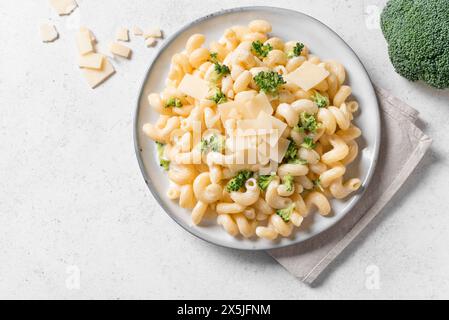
(307, 76)
(150, 42)
(239, 143)
(91, 35)
(120, 50)
(122, 35)
(276, 152)
(194, 87)
(282, 149)
(153, 33)
(84, 42)
(248, 127)
(270, 122)
(96, 77)
(228, 110)
(91, 61)
(137, 31)
(48, 32)
(63, 7)
(252, 108)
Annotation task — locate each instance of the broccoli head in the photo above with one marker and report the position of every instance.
(417, 33)
(236, 183)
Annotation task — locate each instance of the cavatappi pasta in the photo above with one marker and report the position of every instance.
(255, 129)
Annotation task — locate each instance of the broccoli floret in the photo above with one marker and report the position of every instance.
(307, 123)
(320, 100)
(417, 33)
(220, 69)
(173, 102)
(286, 213)
(287, 181)
(296, 51)
(269, 81)
(292, 151)
(219, 97)
(261, 50)
(164, 163)
(236, 183)
(213, 57)
(308, 143)
(213, 143)
(264, 181)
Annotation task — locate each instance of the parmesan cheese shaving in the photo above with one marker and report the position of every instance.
(120, 50)
(91, 61)
(91, 35)
(48, 32)
(150, 42)
(83, 40)
(275, 126)
(122, 35)
(153, 33)
(137, 31)
(194, 87)
(95, 77)
(63, 7)
(307, 76)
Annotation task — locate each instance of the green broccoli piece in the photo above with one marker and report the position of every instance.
(219, 97)
(296, 51)
(292, 151)
(164, 163)
(213, 143)
(261, 50)
(320, 100)
(417, 33)
(263, 181)
(213, 57)
(236, 183)
(308, 143)
(220, 69)
(269, 82)
(173, 102)
(286, 213)
(307, 123)
(287, 181)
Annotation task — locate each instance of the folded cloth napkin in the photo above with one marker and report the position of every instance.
(403, 145)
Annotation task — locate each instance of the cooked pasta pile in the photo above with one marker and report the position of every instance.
(256, 130)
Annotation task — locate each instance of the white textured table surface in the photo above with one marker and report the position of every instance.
(72, 197)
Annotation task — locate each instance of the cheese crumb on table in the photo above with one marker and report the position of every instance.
(150, 42)
(91, 61)
(122, 34)
(84, 42)
(120, 50)
(96, 77)
(63, 7)
(48, 32)
(137, 31)
(91, 35)
(153, 33)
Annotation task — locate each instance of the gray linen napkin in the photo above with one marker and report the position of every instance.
(403, 145)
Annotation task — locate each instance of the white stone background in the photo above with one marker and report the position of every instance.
(71, 193)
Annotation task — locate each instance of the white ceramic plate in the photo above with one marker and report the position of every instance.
(288, 25)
